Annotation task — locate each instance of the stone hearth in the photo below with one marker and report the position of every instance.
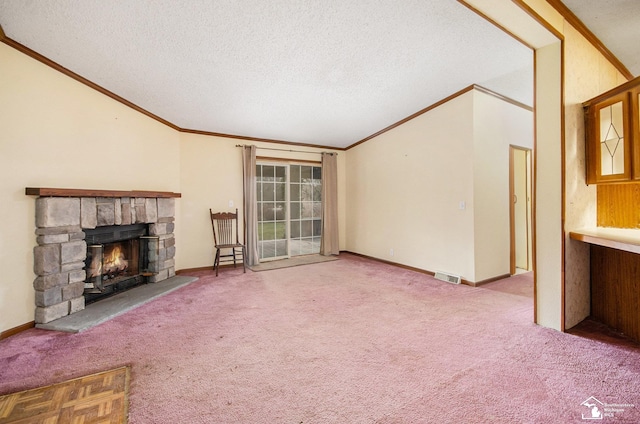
(59, 258)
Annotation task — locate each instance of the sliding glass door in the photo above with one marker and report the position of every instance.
(289, 210)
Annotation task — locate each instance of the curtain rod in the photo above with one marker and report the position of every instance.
(285, 150)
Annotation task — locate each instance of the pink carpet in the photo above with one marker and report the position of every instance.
(348, 341)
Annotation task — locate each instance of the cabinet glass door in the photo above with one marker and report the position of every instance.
(612, 145)
(610, 140)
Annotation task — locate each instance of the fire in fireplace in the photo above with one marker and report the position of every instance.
(111, 261)
(118, 258)
(114, 261)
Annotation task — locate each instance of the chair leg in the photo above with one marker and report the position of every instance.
(216, 261)
(244, 261)
(233, 251)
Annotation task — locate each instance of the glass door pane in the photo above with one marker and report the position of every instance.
(272, 211)
(305, 188)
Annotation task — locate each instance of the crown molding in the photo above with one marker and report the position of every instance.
(265, 140)
(40, 58)
(48, 62)
(502, 97)
(494, 23)
(410, 117)
(440, 103)
(575, 22)
(538, 18)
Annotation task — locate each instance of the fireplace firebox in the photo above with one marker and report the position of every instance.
(119, 257)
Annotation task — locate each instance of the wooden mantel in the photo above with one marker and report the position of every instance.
(81, 192)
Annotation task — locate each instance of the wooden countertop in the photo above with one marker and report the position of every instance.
(626, 239)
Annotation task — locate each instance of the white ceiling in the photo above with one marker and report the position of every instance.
(322, 72)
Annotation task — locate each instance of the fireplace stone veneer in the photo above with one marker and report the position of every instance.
(59, 257)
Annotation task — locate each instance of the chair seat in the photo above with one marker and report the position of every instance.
(227, 246)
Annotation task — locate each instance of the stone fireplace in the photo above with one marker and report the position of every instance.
(67, 274)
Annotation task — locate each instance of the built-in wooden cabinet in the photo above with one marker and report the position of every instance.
(614, 277)
(615, 290)
(613, 135)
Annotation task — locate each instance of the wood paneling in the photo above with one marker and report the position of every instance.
(74, 192)
(615, 290)
(619, 205)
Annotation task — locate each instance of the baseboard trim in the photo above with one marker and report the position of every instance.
(187, 270)
(424, 271)
(15, 330)
(205, 268)
(490, 280)
(384, 261)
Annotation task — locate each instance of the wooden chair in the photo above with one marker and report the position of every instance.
(225, 236)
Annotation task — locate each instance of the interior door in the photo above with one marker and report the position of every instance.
(520, 208)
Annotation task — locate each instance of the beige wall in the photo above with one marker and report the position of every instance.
(548, 183)
(45, 115)
(405, 188)
(548, 204)
(210, 167)
(497, 124)
(56, 132)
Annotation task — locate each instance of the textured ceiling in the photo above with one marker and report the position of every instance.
(616, 23)
(325, 72)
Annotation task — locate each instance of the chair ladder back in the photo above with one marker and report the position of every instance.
(223, 227)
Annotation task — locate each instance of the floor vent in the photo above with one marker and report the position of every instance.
(454, 279)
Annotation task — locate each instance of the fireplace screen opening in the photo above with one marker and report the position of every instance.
(112, 262)
(118, 258)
